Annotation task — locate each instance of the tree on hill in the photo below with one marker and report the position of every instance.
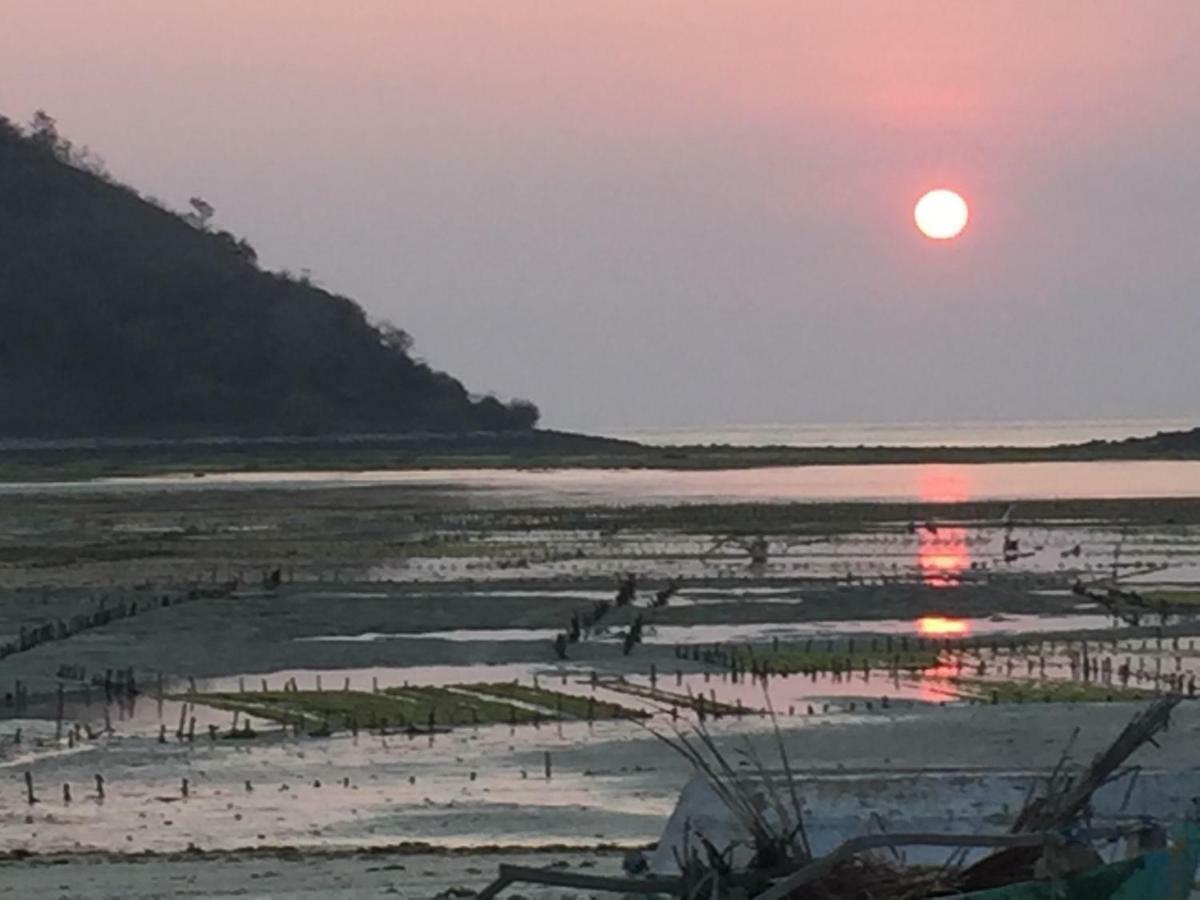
(120, 317)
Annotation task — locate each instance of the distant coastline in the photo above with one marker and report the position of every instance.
(917, 433)
(72, 460)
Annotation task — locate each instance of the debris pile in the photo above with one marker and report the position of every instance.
(1051, 839)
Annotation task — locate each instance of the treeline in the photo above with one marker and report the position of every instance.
(120, 317)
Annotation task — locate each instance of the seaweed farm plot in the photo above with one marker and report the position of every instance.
(563, 705)
(390, 668)
(799, 679)
(1046, 691)
(406, 533)
(850, 674)
(985, 669)
(416, 709)
(1045, 553)
(482, 767)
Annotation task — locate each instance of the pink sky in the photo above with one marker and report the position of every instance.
(685, 213)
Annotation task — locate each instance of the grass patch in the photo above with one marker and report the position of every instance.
(1174, 598)
(1045, 691)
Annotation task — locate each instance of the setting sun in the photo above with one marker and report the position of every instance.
(941, 214)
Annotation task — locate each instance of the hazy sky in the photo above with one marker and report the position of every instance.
(686, 213)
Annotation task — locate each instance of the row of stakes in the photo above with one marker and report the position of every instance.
(61, 629)
(32, 798)
(1089, 666)
(185, 790)
(1083, 662)
(884, 703)
(1079, 651)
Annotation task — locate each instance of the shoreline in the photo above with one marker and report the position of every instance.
(79, 460)
(288, 874)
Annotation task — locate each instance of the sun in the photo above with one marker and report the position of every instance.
(941, 214)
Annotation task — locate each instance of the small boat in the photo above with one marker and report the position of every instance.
(1167, 873)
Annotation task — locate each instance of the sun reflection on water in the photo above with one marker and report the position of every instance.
(943, 626)
(942, 556)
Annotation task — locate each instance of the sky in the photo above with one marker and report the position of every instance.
(670, 213)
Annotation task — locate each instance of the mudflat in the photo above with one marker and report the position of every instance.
(920, 661)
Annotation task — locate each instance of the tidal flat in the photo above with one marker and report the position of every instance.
(946, 642)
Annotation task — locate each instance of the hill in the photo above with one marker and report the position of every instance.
(119, 317)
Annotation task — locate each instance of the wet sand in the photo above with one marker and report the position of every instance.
(605, 788)
(610, 783)
(408, 876)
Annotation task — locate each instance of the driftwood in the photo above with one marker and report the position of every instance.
(826, 864)
(812, 872)
(1066, 798)
(512, 874)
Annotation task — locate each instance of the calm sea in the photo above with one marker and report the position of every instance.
(934, 482)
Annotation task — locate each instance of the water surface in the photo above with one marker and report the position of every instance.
(921, 482)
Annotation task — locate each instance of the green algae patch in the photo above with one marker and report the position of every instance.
(1173, 598)
(453, 705)
(697, 703)
(557, 703)
(418, 708)
(316, 712)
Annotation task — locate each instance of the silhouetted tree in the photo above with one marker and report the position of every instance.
(394, 338)
(523, 414)
(201, 214)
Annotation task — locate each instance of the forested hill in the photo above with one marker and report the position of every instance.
(118, 317)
